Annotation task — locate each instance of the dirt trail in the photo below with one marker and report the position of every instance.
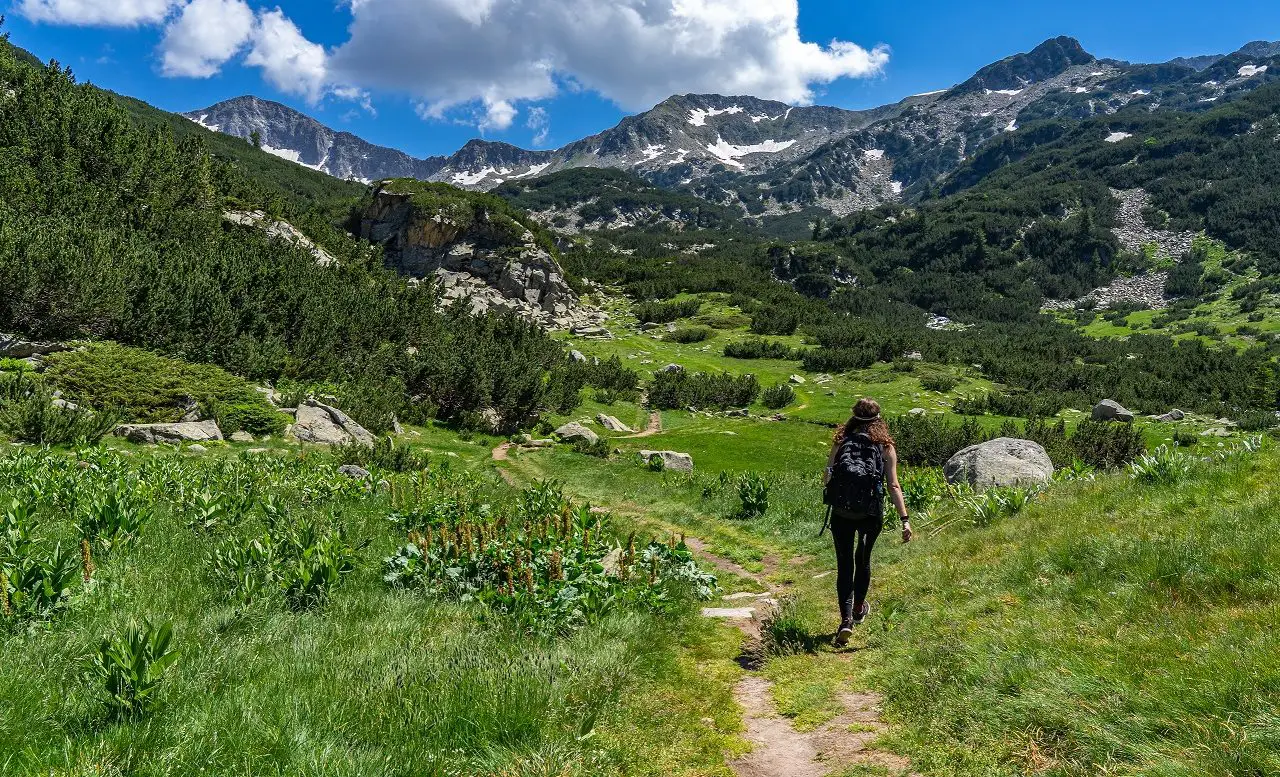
(654, 427)
(778, 750)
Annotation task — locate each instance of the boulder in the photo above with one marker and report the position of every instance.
(1172, 416)
(241, 437)
(914, 356)
(15, 347)
(154, 434)
(613, 424)
(680, 462)
(63, 404)
(197, 448)
(578, 356)
(573, 432)
(1002, 462)
(796, 379)
(917, 411)
(354, 472)
(672, 368)
(325, 425)
(1110, 410)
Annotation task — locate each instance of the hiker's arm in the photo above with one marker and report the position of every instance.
(895, 492)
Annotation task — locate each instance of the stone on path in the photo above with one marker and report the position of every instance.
(729, 613)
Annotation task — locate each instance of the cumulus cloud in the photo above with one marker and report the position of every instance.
(634, 52)
(98, 13)
(204, 36)
(487, 57)
(288, 60)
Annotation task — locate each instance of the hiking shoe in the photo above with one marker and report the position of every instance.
(860, 613)
(846, 631)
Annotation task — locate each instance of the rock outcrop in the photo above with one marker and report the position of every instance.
(1111, 410)
(576, 432)
(998, 463)
(680, 462)
(324, 425)
(613, 424)
(155, 434)
(15, 347)
(475, 253)
(283, 230)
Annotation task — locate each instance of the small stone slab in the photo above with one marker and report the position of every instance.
(729, 613)
(744, 595)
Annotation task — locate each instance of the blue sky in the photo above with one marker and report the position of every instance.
(427, 75)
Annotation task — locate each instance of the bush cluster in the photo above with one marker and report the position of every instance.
(680, 389)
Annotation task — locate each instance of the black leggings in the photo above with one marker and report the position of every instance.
(855, 536)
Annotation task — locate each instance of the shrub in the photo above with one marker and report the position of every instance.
(1015, 405)
(132, 664)
(940, 383)
(1257, 420)
(666, 312)
(257, 418)
(686, 335)
(385, 454)
(783, 631)
(150, 388)
(14, 365)
(680, 389)
(758, 348)
(753, 492)
(1164, 467)
(599, 449)
(544, 566)
(774, 321)
(35, 418)
(778, 397)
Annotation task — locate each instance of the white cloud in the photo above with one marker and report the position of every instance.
(489, 56)
(99, 13)
(635, 52)
(204, 36)
(540, 122)
(288, 60)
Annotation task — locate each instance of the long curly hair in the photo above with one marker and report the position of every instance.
(866, 419)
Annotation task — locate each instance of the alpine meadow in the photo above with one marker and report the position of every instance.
(320, 458)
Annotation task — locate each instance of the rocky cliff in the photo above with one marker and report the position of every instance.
(475, 246)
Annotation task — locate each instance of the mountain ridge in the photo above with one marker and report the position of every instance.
(770, 158)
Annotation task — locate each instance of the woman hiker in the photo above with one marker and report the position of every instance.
(863, 460)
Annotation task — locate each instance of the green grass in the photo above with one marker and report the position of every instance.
(375, 682)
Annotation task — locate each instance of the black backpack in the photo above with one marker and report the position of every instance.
(857, 477)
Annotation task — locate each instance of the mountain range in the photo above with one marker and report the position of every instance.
(768, 158)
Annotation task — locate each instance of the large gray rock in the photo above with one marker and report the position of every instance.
(1001, 462)
(1111, 410)
(680, 462)
(1171, 416)
(324, 425)
(15, 347)
(575, 432)
(613, 424)
(154, 434)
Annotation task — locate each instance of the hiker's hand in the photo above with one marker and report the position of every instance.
(907, 534)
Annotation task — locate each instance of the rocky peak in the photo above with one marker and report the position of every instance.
(1051, 58)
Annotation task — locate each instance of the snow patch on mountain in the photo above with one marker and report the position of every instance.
(874, 153)
(1249, 71)
(729, 153)
(1116, 137)
(698, 117)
